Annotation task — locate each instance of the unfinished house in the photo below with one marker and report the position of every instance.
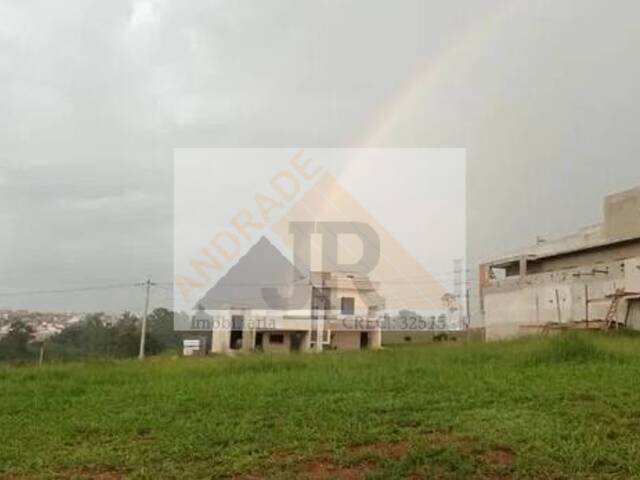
(590, 279)
(338, 310)
(341, 313)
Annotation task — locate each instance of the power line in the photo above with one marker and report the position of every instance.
(69, 290)
(380, 281)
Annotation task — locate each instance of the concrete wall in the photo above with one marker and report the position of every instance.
(276, 347)
(346, 329)
(221, 335)
(426, 337)
(632, 274)
(220, 341)
(375, 338)
(407, 338)
(300, 320)
(360, 306)
(634, 314)
(621, 214)
(593, 257)
(345, 340)
(513, 306)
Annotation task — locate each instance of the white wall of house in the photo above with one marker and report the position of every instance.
(270, 345)
(300, 320)
(345, 340)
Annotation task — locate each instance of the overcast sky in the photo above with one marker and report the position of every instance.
(94, 96)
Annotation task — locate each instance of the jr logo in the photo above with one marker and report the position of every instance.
(329, 232)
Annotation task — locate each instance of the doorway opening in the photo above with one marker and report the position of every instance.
(364, 340)
(237, 328)
(296, 341)
(259, 338)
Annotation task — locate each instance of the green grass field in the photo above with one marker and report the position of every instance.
(564, 407)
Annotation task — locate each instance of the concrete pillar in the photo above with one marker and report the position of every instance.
(523, 267)
(319, 333)
(220, 339)
(306, 342)
(248, 338)
(375, 338)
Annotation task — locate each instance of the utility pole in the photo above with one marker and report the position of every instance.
(143, 329)
(457, 289)
(467, 322)
(457, 279)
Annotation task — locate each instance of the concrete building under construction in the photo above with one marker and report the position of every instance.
(264, 303)
(340, 313)
(590, 279)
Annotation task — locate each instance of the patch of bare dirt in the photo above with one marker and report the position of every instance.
(466, 445)
(92, 473)
(318, 468)
(501, 456)
(327, 470)
(492, 464)
(383, 449)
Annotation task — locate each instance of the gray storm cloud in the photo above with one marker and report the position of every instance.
(94, 96)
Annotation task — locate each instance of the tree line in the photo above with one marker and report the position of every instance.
(95, 336)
